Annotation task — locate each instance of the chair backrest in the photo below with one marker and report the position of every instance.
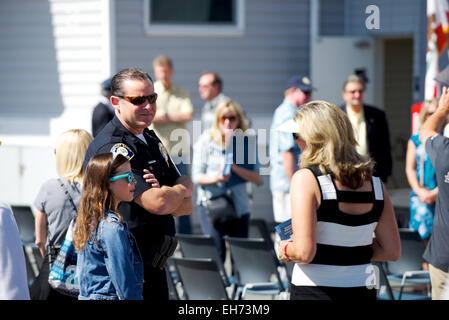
(201, 246)
(25, 222)
(412, 251)
(30, 272)
(172, 292)
(200, 279)
(253, 260)
(384, 284)
(258, 229)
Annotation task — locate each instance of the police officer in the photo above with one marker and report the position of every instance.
(150, 214)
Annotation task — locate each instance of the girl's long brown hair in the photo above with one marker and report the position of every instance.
(96, 196)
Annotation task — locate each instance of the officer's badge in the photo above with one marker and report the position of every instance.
(123, 149)
(164, 153)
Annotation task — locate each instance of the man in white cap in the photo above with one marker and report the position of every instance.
(284, 153)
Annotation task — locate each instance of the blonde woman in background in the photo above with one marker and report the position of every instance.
(55, 205)
(207, 174)
(337, 205)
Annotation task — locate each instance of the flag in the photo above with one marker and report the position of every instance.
(437, 42)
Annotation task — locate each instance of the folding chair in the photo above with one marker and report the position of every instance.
(31, 276)
(258, 228)
(255, 267)
(408, 269)
(202, 246)
(385, 292)
(200, 278)
(25, 222)
(172, 291)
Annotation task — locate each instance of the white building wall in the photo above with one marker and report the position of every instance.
(54, 54)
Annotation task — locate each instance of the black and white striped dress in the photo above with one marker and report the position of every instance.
(341, 267)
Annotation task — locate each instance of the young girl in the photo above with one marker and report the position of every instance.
(109, 265)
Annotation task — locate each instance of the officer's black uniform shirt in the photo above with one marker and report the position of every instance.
(148, 228)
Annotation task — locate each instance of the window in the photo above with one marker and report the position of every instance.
(199, 17)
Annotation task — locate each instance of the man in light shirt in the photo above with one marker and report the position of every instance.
(174, 110)
(284, 152)
(370, 126)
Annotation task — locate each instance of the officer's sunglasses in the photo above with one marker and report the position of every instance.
(140, 99)
(128, 175)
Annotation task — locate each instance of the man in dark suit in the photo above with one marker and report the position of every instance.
(370, 126)
(103, 111)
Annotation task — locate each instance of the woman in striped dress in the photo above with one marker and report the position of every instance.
(342, 217)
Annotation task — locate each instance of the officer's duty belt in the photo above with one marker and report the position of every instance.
(161, 252)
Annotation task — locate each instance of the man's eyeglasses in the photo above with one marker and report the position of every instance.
(141, 99)
(295, 136)
(354, 91)
(230, 118)
(128, 175)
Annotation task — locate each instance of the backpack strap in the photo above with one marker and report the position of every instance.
(67, 193)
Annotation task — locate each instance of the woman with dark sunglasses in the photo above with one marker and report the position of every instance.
(216, 177)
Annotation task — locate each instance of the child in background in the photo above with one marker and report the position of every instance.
(109, 263)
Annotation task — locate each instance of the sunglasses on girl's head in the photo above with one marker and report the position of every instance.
(128, 175)
(141, 99)
(230, 118)
(295, 136)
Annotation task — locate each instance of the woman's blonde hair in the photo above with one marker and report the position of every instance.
(71, 147)
(424, 114)
(222, 108)
(331, 144)
(96, 196)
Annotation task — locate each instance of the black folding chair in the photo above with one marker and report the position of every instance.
(171, 281)
(25, 222)
(258, 228)
(31, 276)
(255, 266)
(200, 278)
(202, 246)
(408, 269)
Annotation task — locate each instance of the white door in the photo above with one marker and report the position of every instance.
(333, 59)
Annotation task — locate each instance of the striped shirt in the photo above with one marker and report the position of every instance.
(344, 241)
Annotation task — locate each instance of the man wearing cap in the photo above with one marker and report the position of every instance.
(370, 126)
(103, 111)
(284, 153)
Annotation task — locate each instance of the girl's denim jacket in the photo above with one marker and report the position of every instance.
(110, 267)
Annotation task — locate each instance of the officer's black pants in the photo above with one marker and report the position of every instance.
(155, 284)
